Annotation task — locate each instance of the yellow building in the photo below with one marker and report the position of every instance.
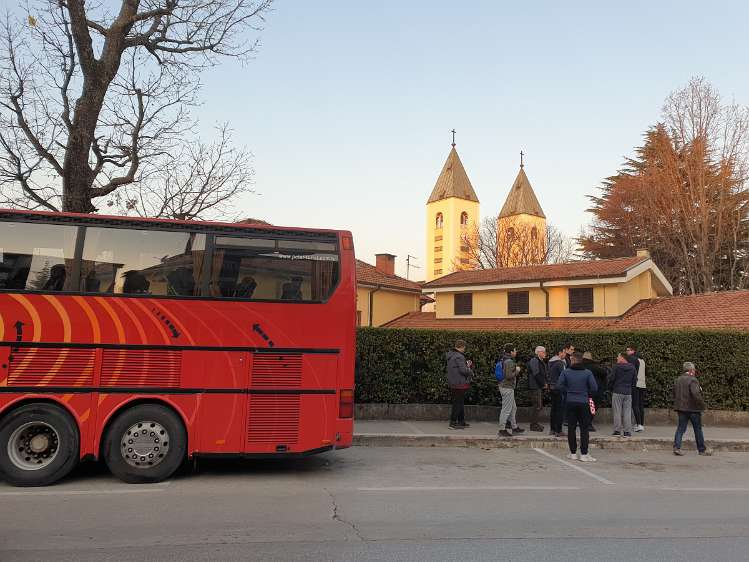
(382, 296)
(521, 226)
(452, 216)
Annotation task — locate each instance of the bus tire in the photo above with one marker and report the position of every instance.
(39, 445)
(145, 444)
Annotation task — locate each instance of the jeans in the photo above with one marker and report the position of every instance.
(557, 411)
(696, 419)
(537, 401)
(457, 413)
(638, 405)
(509, 408)
(578, 414)
(622, 406)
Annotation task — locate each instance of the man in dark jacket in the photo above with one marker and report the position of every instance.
(508, 412)
(622, 379)
(601, 375)
(459, 375)
(580, 384)
(537, 383)
(689, 405)
(557, 364)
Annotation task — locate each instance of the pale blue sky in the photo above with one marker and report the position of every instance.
(348, 105)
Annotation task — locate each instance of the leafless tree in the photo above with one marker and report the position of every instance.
(487, 248)
(95, 99)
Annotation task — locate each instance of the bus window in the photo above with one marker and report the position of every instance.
(275, 269)
(36, 257)
(142, 262)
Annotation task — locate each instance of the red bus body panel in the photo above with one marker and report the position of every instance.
(245, 377)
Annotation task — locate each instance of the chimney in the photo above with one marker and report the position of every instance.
(385, 263)
(643, 253)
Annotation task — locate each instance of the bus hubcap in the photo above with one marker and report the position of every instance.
(145, 444)
(33, 446)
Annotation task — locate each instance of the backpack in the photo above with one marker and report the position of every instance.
(498, 372)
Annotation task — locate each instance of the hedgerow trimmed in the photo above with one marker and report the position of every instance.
(408, 366)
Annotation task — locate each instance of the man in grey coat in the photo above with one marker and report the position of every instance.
(459, 375)
(689, 405)
(509, 409)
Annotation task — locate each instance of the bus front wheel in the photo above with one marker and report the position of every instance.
(39, 444)
(145, 444)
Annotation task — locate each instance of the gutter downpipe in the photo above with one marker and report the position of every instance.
(546, 292)
(371, 305)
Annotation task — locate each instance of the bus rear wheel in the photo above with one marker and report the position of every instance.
(39, 444)
(145, 444)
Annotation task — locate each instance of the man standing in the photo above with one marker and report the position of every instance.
(537, 383)
(638, 393)
(557, 364)
(689, 405)
(622, 380)
(509, 409)
(459, 375)
(580, 384)
(569, 349)
(601, 375)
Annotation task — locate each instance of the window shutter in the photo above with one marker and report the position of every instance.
(581, 300)
(463, 304)
(517, 302)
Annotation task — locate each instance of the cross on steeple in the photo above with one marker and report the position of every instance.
(521, 158)
(453, 132)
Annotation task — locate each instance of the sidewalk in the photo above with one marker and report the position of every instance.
(390, 433)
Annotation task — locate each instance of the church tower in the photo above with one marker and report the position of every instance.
(452, 217)
(521, 226)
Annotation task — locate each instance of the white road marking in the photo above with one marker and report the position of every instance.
(30, 493)
(704, 489)
(573, 466)
(465, 488)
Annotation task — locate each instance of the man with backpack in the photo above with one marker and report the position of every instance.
(506, 373)
(537, 383)
(459, 375)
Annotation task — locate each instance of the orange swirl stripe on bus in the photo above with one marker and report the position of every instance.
(60, 360)
(120, 333)
(177, 323)
(154, 320)
(95, 328)
(36, 322)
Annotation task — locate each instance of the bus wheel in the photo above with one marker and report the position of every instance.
(39, 444)
(144, 444)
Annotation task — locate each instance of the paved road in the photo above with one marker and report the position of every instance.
(395, 504)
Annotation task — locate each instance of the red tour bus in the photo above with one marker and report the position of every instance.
(146, 342)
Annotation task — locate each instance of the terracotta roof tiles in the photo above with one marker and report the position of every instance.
(369, 275)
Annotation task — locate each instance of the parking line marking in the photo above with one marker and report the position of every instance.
(28, 494)
(466, 488)
(570, 465)
(704, 489)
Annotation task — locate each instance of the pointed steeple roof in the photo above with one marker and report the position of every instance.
(453, 181)
(521, 199)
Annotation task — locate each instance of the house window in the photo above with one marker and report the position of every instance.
(358, 317)
(465, 248)
(463, 304)
(437, 260)
(438, 272)
(463, 219)
(534, 233)
(438, 238)
(438, 221)
(517, 302)
(438, 248)
(581, 300)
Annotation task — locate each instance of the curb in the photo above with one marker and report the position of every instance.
(486, 442)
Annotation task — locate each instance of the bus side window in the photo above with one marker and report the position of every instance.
(37, 256)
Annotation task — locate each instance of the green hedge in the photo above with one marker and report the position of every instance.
(408, 366)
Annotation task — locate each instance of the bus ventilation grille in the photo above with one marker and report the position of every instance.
(141, 367)
(274, 418)
(276, 370)
(49, 366)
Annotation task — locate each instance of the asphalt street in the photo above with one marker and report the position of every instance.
(395, 504)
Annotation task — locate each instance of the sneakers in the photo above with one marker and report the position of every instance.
(706, 453)
(587, 458)
(639, 428)
(455, 426)
(504, 433)
(573, 456)
(678, 453)
(592, 429)
(616, 433)
(627, 434)
(537, 427)
(518, 430)
(464, 424)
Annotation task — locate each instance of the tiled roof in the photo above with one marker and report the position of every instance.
(370, 275)
(453, 181)
(727, 310)
(521, 199)
(530, 273)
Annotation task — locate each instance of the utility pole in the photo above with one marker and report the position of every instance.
(409, 257)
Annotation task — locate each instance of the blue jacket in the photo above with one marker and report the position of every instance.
(579, 383)
(623, 378)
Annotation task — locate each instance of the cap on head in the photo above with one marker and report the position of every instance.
(588, 355)
(689, 366)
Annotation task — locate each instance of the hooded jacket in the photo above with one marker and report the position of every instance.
(556, 366)
(623, 378)
(579, 383)
(458, 373)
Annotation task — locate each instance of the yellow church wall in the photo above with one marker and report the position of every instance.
(387, 305)
(450, 233)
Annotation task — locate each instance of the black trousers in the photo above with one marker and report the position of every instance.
(638, 405)
(537, 403)
(557, 411)
(457, 413)
(578, 415)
